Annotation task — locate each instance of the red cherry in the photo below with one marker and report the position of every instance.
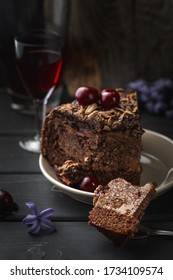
(89, 183)
(6, 203)
(86, 95)
(109, 98)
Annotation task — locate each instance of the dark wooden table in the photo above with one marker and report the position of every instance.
(75, 239)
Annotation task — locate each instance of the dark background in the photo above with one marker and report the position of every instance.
(106, 43)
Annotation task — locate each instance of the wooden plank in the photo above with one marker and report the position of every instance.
(14, 159)
(126, 40)
(11, 121)
(78, 241)
(37, 189)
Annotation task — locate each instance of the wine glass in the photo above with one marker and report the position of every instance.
(39, 63)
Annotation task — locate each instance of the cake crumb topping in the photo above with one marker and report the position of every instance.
(125, 114)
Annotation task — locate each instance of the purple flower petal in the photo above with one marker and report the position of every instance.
(31, 205)
(48, 224)
(46, 213)
(38, 219)
(150, 106)
(35, 228)
(29, 219)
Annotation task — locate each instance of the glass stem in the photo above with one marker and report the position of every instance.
(40, 109)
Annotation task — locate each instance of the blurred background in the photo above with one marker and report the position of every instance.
(112, 43)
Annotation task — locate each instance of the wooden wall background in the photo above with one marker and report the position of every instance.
(112, 42)
(107, 42)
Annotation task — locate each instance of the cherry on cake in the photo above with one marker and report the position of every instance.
(99, 137)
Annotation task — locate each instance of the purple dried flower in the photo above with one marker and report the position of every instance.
(156, 96)
(139, 85)
(162, 83)
(150, 106)
(160, 107)
(37, 219)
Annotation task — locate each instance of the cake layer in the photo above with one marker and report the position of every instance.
(118, 149)
(97, 119)
(105, 143)
(71, 173)
(119, 207)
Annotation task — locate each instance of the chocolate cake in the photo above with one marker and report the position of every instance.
(119, 207)
(80, 140)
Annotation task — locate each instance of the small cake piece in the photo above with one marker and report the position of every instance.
(71, 172)
(92, 139)
(119, 208)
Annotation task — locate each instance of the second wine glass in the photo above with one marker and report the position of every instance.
(39, 63)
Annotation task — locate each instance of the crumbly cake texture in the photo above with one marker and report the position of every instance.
(119, 207)
(80, 140)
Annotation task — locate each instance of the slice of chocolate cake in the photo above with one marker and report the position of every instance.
(80, 140)
(119, 207)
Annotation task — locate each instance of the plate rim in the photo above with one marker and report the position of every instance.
(72, 191)
(159, 134)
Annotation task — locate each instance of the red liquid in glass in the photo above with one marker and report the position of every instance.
(39, 71)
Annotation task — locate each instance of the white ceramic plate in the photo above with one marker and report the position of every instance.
(157, 166)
